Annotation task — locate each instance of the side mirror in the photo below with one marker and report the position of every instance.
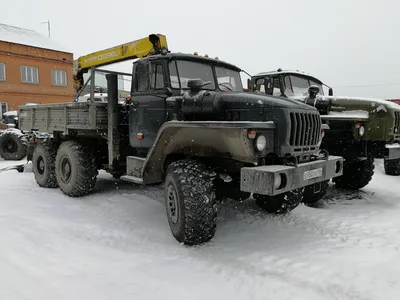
(330, 92)
(269, 88)
(195, 84)
(249, 87)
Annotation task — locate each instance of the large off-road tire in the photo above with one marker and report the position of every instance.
(392, 167)
(311, 197)
(190, 202)
(43, 164)
(12, 145)
(356, 174)
(280, 204)
(76, 169)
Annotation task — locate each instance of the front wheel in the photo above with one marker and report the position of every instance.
(190, 202)
(280, 204)
(76, 169)
(357, 174)
(392, 166)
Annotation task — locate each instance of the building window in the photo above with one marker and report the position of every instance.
(29, 74)
(2, 72)
(3, 109)
(59, 77)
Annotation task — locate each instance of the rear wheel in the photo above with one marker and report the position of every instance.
(315, 192)
(280, 204)
(392, 167)
(357, 174)
(12, 145)
(190, 202)
(43, 164)
(76, 169)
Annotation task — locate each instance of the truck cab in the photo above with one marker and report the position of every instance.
(361, 129)
(288, 83)
(158, 80)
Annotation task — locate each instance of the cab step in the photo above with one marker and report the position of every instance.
(134, 166)
(133, 179)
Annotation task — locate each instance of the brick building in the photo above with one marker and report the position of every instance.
(33, 68)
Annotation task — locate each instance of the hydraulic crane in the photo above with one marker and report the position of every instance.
(151, 45)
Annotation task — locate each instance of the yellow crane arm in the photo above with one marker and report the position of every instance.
(151, 45)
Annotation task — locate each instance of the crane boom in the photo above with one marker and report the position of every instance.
(151, 45)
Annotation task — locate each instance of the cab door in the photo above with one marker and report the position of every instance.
(148, 106)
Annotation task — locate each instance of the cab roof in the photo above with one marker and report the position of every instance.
(193, 57)
(289, 72)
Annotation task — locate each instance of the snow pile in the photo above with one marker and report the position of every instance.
(10, 113)
(116, 244)
(356, 114)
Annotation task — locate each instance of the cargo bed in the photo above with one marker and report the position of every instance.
(64, 117)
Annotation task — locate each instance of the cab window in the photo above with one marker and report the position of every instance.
(260, 87)
(277, 88)
(228, 80)
(300, 84)
(142, 77)
(157, 76)
(181, 71)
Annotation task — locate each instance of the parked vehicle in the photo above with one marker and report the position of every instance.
(181, 129)
(13, 143)
(361, 129)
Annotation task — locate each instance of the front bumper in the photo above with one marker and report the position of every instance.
(264, 180)
(392, 151)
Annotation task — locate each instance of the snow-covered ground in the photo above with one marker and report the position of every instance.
(116, 244)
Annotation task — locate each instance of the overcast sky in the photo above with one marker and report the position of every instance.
(344, 43)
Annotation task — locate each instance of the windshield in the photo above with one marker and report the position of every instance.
(229, 79)
(190, 70)
(300, 85)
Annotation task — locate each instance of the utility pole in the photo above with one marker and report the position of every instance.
(48, 25)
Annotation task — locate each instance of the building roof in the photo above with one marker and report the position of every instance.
(17, 35)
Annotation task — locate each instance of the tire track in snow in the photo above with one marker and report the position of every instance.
(273, 267)
(353, 232)
(350, 230)
(302, 275)
(312, 277)
(336, 284)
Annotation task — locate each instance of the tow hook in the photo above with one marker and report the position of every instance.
(19, 168)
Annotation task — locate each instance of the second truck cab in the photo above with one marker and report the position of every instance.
(361, 129)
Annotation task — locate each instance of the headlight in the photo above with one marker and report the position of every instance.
(361, 130)
(277, 181)
(261, 143)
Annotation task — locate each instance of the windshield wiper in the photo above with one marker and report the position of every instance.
(226, 86)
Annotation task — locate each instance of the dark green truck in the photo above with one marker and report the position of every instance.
(361, 129)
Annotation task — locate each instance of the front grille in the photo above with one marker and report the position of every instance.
(396, 122)
(305, 130)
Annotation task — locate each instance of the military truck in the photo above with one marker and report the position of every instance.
(182, 130)
(361, 129)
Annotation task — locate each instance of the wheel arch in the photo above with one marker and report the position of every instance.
(202, 140)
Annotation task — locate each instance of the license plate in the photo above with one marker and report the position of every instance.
(312, 174)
